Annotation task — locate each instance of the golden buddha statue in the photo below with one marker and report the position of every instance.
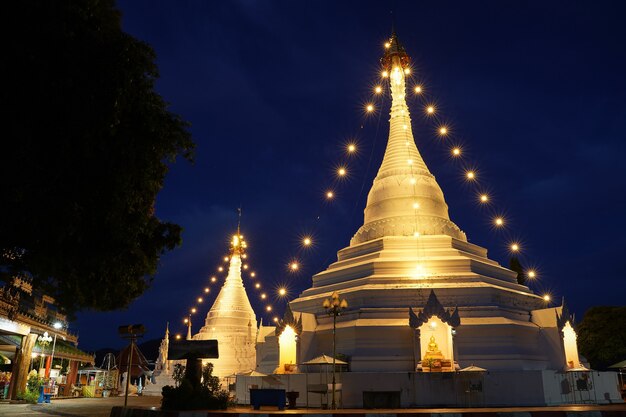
(433, 350)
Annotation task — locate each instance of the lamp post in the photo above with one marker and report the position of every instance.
(57, 325)
(44, 340)
(334, 306)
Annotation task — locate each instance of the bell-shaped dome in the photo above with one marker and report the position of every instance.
(405, 199)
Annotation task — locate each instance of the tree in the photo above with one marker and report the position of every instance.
(602, 336)
(86, 146)
(516, 265)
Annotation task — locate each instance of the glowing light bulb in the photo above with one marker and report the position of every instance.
(430, 109)
(433, 325)
(385, 74)
(405, 127)
(193, 310)
(257, 285)
(275, 319)
(225, 258)
(378, 89)
(407, 71)
(416, 206)
(410, 162)
(369, 108)
(387, 45)
(213, 279)
(245, 266)
(351, 148)
(456, 151)
(268, 308)
(263, 296)
(294, 266)
(186, 321)
(443, 130)
(177, 337)
(547, 298)
(498, 221)
(200, 299)
(207, 290)
(220, 268)
(282, 291)
(470, 175)
(418, 89)
(329, 195)
(413, 181)
(307, 241)
(341, 172)
(416, 234)
(531, 274)
(253, 274)
(484, 198)
(514, 247)
(244, 256)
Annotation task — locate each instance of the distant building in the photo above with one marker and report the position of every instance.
(31, 327)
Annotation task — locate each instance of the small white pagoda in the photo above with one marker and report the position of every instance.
(231, 320)
(423, 301)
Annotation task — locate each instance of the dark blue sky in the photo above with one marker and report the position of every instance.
(534, 91)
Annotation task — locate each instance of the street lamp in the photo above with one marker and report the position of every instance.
(334, 305)
(44, 340)
(57, 325)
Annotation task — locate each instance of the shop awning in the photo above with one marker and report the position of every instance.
(62, 349)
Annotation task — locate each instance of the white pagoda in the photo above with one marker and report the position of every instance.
(231, 320)
(422, 301)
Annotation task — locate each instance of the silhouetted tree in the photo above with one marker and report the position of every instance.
(516, 265)
(602, 336)
(85, 150)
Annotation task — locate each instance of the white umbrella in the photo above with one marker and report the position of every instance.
(324, 360)
(473, 368)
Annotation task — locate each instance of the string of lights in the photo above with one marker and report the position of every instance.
(343, 170)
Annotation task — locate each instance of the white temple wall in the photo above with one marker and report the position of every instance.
(267, 354)
(375, 347)
(500, 388)
(503, 347)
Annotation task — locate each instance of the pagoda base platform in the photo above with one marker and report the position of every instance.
(443, 389)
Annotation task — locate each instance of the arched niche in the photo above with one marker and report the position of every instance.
(288, 332)
(287, 348)
(572, 360)
(434, 331)
(436, 340)
(565, 324)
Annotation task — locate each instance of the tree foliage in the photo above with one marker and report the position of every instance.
(602, 336)
(516, 265)
(86, 148)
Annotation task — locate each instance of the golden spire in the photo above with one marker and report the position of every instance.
(238, 245)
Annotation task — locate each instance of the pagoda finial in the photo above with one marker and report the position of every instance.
(239, 221)
(238, 245)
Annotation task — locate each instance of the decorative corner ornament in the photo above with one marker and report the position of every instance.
(289, 320)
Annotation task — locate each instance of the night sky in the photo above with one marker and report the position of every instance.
(535, 92)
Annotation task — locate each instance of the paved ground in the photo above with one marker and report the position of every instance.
(101, 407)
(76, 407)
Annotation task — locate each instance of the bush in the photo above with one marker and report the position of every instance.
(29, 396)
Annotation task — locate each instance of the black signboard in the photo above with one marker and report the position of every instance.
(193, 349)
